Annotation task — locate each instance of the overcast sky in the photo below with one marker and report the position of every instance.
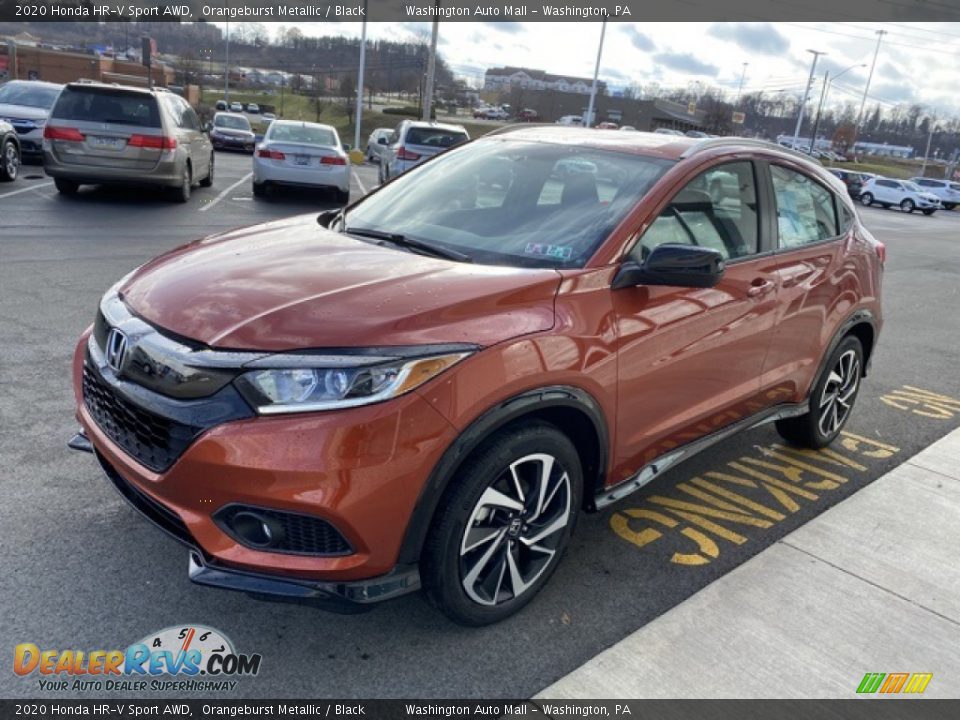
(918, 61)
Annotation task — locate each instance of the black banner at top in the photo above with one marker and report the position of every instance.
(292, 11)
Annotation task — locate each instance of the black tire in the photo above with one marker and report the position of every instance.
(181, 193)
(208, 180)
(259, 189)
(343, 198)
(866, 199)
(9, 161)
(949, 206)
(66, 187)
(929, 212)
(380, 170)
(908, 206)
(885, 206)
(820, 426)
(449, 565)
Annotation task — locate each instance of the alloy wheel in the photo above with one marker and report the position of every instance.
(836, 400)
(515, 529)
(11, 161)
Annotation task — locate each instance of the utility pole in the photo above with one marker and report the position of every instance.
(226, 70)
(743, 77)
(588, 120)
(816, 123)
(866, 89)
(806, 94)
(363, 57)
(923, 168)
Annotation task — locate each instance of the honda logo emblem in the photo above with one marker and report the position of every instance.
(116, 348)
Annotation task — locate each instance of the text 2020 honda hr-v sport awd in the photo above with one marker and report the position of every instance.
(427, 387)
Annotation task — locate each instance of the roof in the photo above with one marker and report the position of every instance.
(114, 86)
(671, 147)
(438, 126)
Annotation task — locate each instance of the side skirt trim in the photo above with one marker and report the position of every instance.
(649, 472)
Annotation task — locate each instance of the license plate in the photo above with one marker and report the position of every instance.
(301, 159)
(109, 143)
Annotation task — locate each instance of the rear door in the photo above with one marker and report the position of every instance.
(814, 283)
(117, 128)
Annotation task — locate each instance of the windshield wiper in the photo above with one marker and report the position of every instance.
(404, 241)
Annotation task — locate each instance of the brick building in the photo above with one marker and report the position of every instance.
(29, 62)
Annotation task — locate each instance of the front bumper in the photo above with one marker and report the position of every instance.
(342, 597)
(361, 470)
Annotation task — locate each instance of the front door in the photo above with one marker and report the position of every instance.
(690, 359)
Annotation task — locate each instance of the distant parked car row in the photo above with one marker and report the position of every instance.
(238, 107)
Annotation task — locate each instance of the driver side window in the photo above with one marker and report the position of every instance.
(717, 209)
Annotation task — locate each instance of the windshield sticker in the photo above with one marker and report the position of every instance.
(561, 252)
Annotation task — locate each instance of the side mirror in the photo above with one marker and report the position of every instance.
(670, 264)
(381, 141)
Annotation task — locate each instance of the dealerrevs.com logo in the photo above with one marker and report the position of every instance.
(179, 658)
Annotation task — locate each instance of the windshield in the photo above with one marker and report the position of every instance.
(234, 122)
(38, 96)
(955, 186)
(507, 202)
(309, 134)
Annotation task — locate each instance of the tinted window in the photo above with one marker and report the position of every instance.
(310, 134)
(433, 137)
(233, 122)
(38, 96)
(106, 105)
(505, 201)
(718, 210)
(805, 209)
(846, 217)
(887, 184)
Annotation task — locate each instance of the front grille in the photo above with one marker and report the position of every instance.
(153, 440)
(299, 534)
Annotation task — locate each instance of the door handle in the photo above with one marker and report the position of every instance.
(760, 287)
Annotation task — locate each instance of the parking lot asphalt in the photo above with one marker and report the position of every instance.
(82, 570)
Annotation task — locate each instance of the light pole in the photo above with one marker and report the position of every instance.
(931, 120)
(827, 81)
(427, 98)
(358, 113)
(226, 70)
(806, 94)
(588, 120)
(743, 77)
(866, 89)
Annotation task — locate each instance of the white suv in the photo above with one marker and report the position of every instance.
(947, 191)
(903, 193)
(413, 142)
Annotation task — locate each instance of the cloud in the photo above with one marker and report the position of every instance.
(891, 71)
(513, 28)
(638, 39)
(892, 92)
(761, 38)
(686, 63)
(614, 74)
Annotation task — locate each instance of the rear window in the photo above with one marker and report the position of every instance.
(107, 105)
(433, 137)
(302, 134)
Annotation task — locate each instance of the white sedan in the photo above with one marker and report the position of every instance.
(301, 154)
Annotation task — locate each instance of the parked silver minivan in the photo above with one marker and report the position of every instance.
(103, 134)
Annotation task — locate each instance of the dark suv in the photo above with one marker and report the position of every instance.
(429, 385)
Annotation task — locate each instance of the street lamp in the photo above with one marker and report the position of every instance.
(827, 81)
(806, 93)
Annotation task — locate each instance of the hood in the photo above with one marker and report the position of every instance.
(930, 196)
(292, 284)
(233, 132)
(22, 112)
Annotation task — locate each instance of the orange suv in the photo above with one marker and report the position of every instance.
(427, 387)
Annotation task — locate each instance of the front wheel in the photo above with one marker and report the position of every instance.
(949, 206)
(866, 199)
(908, 206)
(831, 400)
(66, 187)
(500, 531)
(929, 212)
(9, 162)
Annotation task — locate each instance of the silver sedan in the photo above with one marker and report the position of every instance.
(301, 154)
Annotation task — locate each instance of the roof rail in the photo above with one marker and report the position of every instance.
(710, 143)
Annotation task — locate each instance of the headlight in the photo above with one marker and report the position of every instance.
(304, 389)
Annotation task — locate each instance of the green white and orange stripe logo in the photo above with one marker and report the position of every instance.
(893, 683)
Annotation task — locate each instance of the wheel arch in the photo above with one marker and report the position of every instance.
(862, 324)
(573, 410)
